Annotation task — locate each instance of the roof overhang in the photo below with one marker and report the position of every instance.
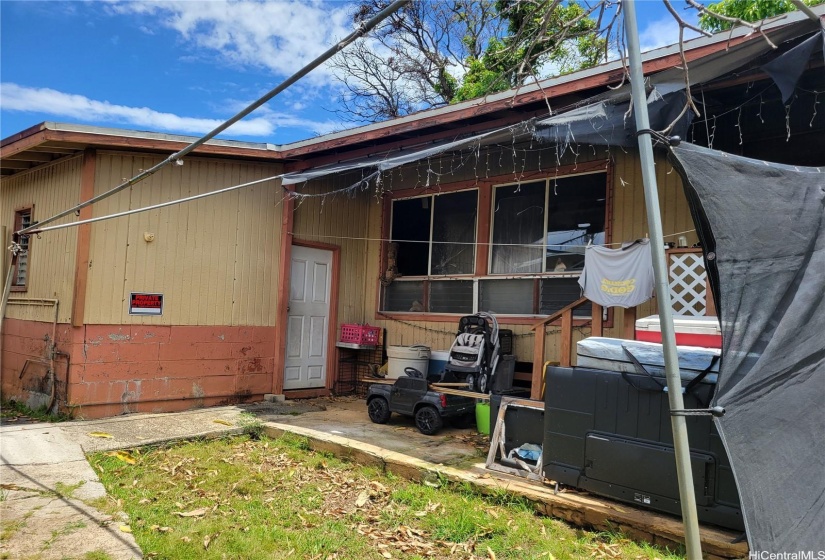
(51, 141)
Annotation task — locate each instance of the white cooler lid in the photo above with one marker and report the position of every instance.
(687, 324)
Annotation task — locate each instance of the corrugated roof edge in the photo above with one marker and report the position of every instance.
(68, 127)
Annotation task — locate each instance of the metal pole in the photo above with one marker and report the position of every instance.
(654, 219)
(361, 31)
(805, 9)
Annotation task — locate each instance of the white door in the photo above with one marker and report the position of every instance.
(305, 366)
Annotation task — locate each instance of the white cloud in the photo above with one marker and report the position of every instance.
(263, 123)
(665, 31)
(280, 36)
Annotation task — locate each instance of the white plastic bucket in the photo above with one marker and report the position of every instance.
(400, 357)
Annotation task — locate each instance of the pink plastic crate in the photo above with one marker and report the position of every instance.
(359, 334)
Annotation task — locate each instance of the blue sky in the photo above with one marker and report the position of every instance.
(184, 66)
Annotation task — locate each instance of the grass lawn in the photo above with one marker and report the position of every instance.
(238, 498)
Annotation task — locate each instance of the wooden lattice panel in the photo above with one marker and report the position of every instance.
(688, 283)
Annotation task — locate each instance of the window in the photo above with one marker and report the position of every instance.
(436, 237)
(545, 226)
(20, 277)
(436, 234)
(538, 234)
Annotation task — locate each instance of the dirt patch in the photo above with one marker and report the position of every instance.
(270, 411)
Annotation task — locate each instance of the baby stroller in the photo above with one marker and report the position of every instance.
(475, 351)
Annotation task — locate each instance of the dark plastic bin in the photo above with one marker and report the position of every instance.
(524, 425)
(503, 379)
(505, 342)
(610, 433)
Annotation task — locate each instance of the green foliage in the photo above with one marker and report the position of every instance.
(747, 10)
(12, 409)
(251, 425)
(564, 37)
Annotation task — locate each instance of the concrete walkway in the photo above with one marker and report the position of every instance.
(49, 490)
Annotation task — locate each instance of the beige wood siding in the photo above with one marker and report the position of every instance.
(50, 189)
(341, 220)
(214, 259)
(630, 213)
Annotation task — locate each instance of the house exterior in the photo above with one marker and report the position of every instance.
(233, 296)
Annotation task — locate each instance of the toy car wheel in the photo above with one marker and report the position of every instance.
(428, 420)
(483, 383)
(379, 410)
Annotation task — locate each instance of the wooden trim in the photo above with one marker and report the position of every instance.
(597, 320)
(538, 363)
(332, 327)
(23, 141)
(419, 192)
(284, 260)
(594, 166)
(608, 203)
(560, 313)
(566, 338)
(386, 212)
(629, 324)
(483, 221)
(710, 302)
(84, 236)
(453, 318)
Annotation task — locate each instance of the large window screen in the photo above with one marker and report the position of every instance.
(454, 233)
(411, 230)
(518, 229)
(576, 210)
(436, 234)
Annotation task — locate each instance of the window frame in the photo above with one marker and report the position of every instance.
(484, 236)
(18, 225)
(544, 273)
(433, 195)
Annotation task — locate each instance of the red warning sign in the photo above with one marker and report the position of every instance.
(145, 304)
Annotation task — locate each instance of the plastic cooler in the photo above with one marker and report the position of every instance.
(438, 361)
(690, 331)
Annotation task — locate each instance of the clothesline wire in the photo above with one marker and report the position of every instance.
(385, 316)
(473, 243)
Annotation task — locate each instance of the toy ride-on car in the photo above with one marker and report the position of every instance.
(412, 396)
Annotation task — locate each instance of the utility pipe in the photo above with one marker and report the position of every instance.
(329, 53)
(654, 219)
